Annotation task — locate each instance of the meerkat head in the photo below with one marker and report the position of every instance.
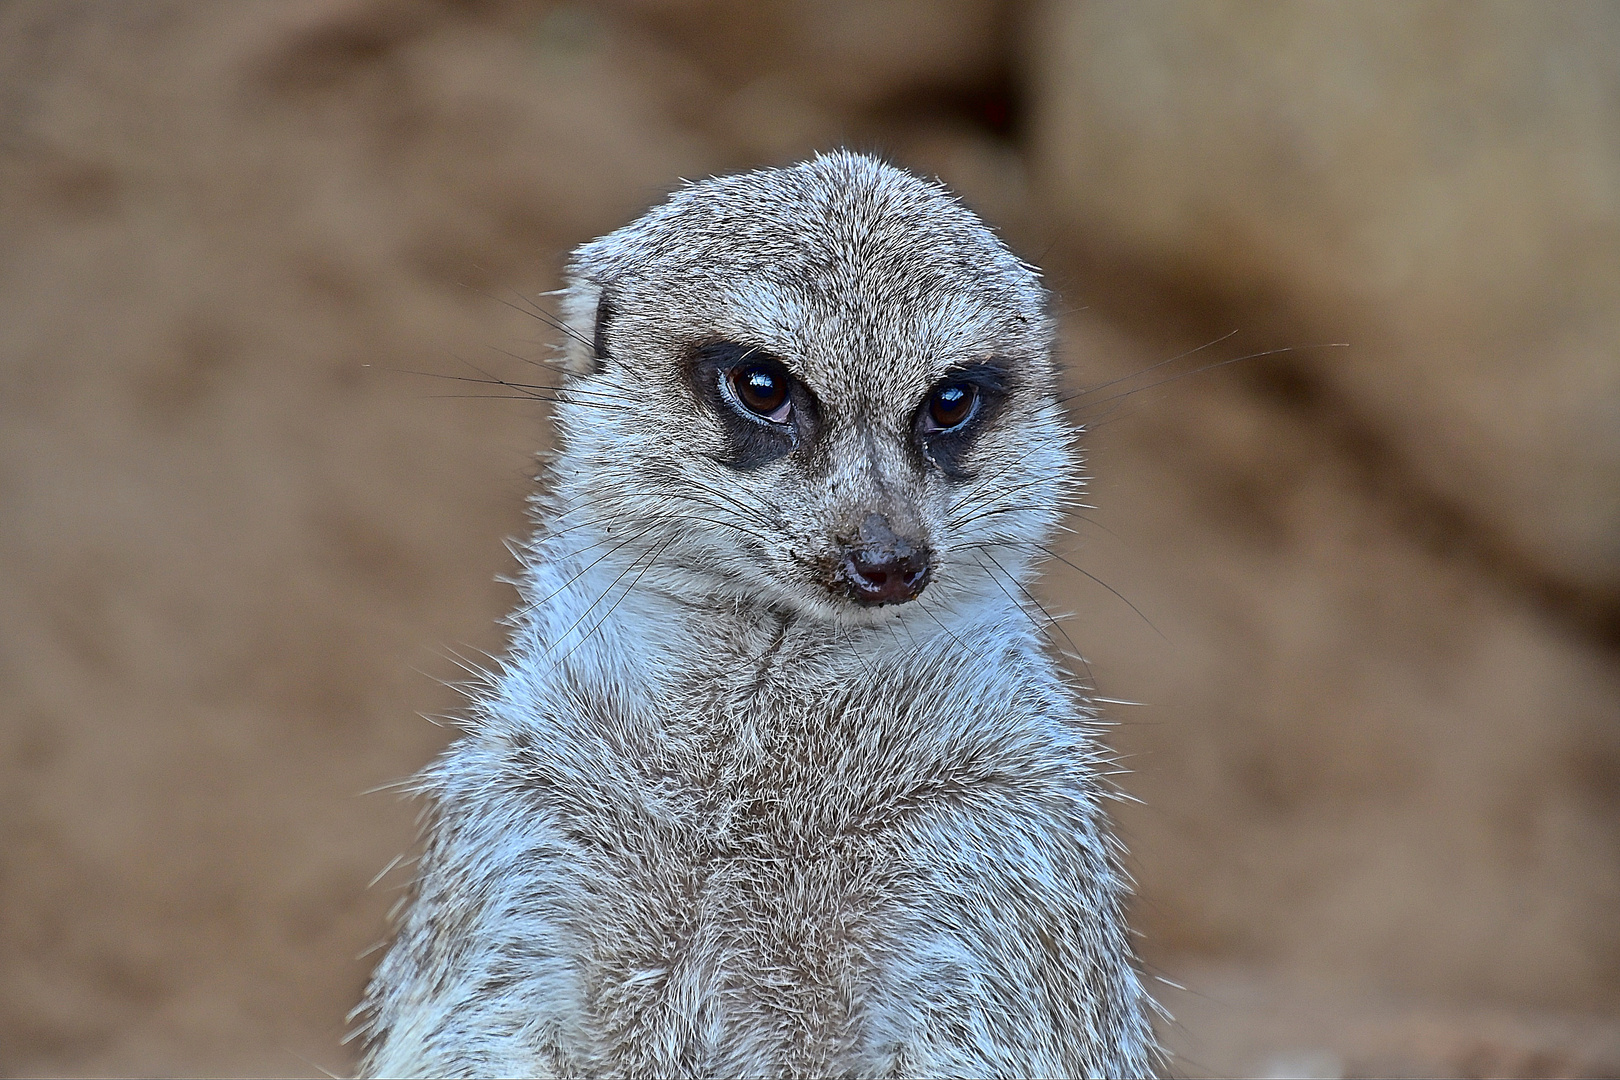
(828, 388)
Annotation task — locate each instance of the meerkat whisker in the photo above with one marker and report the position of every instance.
(533, 311)
(1092, 389)
(586, 569)
(1202, 368)
(652, 557)
(1051, 621)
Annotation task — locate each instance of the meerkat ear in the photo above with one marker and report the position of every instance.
(587, 312)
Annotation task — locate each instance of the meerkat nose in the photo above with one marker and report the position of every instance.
(884, 567)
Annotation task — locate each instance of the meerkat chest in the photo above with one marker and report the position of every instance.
(739, 878)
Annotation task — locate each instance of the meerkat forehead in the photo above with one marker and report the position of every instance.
(847, 268)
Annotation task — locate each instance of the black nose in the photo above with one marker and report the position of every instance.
(882, 567)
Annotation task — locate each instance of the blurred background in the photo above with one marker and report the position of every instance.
(1368, 597)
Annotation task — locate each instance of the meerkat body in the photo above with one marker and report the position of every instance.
(777, 779)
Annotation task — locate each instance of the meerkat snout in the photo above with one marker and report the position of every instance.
(880, 565)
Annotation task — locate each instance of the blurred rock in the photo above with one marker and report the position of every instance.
(1358, 757)
(1436, 183)
(848, 56)
(1383, 739)
(1238, 1025)
(788, 77)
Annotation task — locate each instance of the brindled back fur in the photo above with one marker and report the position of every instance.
(731, 807)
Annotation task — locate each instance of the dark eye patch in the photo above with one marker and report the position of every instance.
(954, 411)
(604, 315)
(764, 411)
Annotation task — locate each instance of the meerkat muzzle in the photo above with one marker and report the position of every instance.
(883, 567)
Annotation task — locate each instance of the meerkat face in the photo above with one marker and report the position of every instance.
(827, 387)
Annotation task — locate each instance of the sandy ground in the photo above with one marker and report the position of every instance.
(243, 543)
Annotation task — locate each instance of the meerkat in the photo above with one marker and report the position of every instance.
(777, 779)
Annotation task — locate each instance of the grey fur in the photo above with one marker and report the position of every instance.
(711, 817)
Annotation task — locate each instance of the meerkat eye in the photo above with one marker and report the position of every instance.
(763, 412)
(762, 389)
(948, 422)
(950, 406)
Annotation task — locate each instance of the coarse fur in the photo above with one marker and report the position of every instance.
(714, 815)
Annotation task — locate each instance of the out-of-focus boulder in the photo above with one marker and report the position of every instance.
(845, 54)
(790, 77)
(1436, 183)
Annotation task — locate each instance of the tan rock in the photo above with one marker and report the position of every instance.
(1436, 183)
